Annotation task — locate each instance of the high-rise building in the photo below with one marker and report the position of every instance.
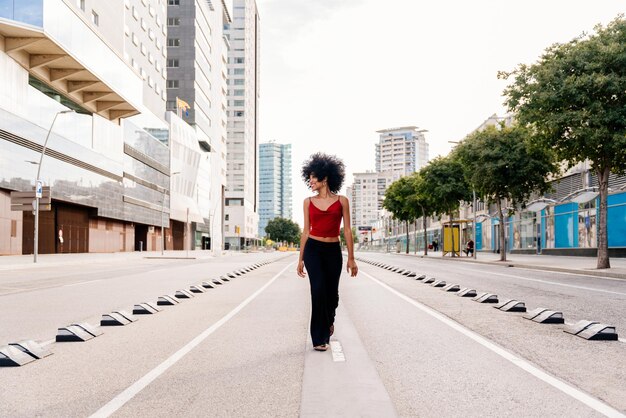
(274, 183)
(367, 195)
(197, 52)
(241, 201)
(401, 151)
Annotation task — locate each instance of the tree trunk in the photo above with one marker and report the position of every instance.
(407, 237)
(425, 236)
(415, 232)
(502, 231)
(603, 238)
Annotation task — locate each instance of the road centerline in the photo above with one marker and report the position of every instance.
(129, 393)
(562, 386)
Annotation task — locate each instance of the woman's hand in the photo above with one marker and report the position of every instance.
(352, 268)
(300, 269)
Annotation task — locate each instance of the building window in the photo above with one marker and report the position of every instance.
(173, 42)
(239, 71)
(239, 60)
(239, 103)
(172, 63)
(172, 84)
(173, 2)
(238, 92)
(170, 105)
(239, 81)
(226, 218)
(239, 113)
(95, 18)
(173, 21)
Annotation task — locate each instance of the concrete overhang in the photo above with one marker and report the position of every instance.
(49, 62)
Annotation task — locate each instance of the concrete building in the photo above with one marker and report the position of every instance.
(401, 151)
(366, 199)
(109, 163)
(241, 202)
(197, 52)
(274, 183)
(109, 177)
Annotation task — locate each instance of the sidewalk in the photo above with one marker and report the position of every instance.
(16, 262)
(579, 265)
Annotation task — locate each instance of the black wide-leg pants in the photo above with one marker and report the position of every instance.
(323, 261)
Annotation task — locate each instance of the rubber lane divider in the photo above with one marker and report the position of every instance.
(545, 316)
(129, 393)
(562, 386)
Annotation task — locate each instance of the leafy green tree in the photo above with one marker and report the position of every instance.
(398, 201)
(422, 204)
(281, 229)
(502, 163)
(445, 185)
(573, 98)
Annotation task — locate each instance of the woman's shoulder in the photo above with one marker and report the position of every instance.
(342, 198)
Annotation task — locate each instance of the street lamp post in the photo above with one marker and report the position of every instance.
(37, 181)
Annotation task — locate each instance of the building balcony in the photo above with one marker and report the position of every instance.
(56, 46)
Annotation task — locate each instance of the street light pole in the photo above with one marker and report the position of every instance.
(43, 152)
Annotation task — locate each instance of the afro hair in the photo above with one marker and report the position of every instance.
(323, 166)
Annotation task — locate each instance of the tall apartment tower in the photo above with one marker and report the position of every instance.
(401, 151)
(197, 52)
(274, 183)
(366, 196)
(241, 202)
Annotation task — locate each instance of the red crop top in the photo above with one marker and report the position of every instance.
(325, 223)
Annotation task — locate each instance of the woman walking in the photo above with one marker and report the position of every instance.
(320, 250)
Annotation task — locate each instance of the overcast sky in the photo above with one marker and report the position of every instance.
(333, 72)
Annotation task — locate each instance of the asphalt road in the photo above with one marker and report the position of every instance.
(401, 348)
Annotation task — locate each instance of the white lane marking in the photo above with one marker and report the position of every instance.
(577, 394)
(130, 392)
(337, 351)
(81, 283)
(552, 283)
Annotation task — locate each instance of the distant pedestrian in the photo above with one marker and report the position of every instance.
(320, 250)
(435, 245)
(469, 248)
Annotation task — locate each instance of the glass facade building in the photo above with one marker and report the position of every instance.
(274, 183)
